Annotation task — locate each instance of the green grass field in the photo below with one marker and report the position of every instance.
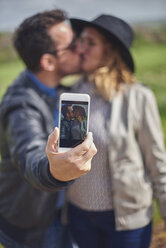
(150, 60)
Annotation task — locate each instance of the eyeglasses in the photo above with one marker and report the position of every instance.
(71, 46)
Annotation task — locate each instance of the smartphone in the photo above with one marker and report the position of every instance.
(73, 120)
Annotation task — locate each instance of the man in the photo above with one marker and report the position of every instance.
(66, 123)
(30, 180)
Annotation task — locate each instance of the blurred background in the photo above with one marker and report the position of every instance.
(148, 19)
(13, 12)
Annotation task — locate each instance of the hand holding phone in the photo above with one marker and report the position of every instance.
(72, 164)
(73, 120)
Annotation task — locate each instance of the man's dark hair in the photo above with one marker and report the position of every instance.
(31, 39)
(65, 109)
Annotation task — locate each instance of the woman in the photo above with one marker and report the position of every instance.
(78, 129)
(111, 206)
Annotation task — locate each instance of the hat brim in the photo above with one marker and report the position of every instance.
(78, 25)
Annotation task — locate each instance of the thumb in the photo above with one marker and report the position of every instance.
(56, 134)
(52, 144)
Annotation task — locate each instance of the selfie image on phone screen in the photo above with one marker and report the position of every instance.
(73, 123)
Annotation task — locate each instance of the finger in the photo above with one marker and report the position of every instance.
(83, 147)
(52, 142)
(89, 155)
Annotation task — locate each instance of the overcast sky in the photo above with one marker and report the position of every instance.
(12, 12)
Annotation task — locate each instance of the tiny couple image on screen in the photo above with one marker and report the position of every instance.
(73, 123)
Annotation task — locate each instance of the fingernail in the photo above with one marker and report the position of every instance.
(91, 134)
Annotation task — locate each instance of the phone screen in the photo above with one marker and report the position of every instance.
(73, 123)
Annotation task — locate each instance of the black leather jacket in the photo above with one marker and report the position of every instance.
(28, 192)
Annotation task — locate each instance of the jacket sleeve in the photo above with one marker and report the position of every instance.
(151, 141)
(27, 140)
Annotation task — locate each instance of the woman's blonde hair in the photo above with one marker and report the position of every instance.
(109, 78)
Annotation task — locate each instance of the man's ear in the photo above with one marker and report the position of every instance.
(48, 62)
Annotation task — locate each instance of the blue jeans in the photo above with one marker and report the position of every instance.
(97, 229)
(56, 236)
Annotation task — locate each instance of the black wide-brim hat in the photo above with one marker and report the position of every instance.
(115, 29)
